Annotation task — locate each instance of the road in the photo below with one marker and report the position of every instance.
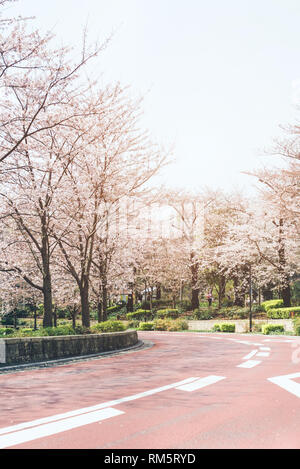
(186, 391)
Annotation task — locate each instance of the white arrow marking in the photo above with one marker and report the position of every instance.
(286, 382)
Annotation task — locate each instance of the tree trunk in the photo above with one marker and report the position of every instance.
(55, 317)
(158, 291)
(222, 287)
(99, 311)
(85, 307)
(104, 302)
(239, 295)
(47, 293)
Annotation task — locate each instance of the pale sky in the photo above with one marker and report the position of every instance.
(219, 77)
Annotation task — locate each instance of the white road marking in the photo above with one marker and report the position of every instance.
(264, 348)
(263, 354)
(200, 383)
(85, 410)
(286, 382)
(249, 364)
(241, 341)
(17, 438)
(250, 355)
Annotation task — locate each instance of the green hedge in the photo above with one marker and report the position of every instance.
(140, 315)
(283, 313)
(271, 304)
(170, 325)
(272, 329)
(109, 326)
(6, 331)
(146, 326)
(167, 313)
(224, 327)
(201, 314)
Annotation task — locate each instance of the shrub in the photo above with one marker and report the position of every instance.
(140, 315)
(82, 330)
(270, 304)
(108, 326)
(201, 314)
(60, 330)
(26, 332)
(297, 326)
(167, 313)
(146, 326)
(170, 325)
(283, 313)
(228, 327)
(272, 328)
(6, 331)
(216, 328)
(134, 324)
(184, 306)
(184, 325)
(161, 324)
(227, 302)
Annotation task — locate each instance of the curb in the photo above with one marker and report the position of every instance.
(141, 345)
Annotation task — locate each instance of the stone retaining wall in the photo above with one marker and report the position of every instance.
(241, 325)
(38, 349)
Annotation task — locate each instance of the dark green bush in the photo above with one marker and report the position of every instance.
(167, 313)
(272, 329)
(200, 314)
(133, 324)
(270, 304)
(60, 330)
(140, 315)
(283, 313)
(170, 325)
(146, 326)
(227, 327)
(108, 326)
(6, 331)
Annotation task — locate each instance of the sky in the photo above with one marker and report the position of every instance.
(218, 77)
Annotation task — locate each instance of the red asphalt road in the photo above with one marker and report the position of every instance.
(244, 410)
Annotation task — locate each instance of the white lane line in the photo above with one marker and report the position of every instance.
(286, 382)
(250, 355)
(200, 383)
(17, 438)
(263, 354)
(85, 410)
(241, 341)
(249, 364)
(264, 348)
